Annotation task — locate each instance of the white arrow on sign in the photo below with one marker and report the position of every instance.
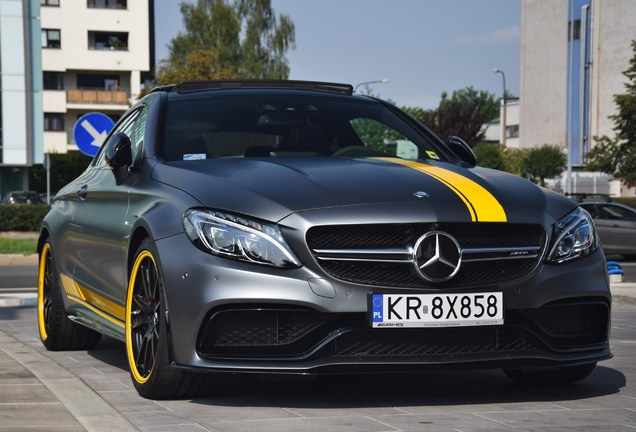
(98, 137)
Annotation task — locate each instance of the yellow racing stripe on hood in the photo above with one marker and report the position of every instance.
(481, 204)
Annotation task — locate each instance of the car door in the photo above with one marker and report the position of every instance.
(616, 226)
(99, 229)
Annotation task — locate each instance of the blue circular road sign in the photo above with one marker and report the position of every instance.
(90, 131)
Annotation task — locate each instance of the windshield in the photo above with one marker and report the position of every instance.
(284, 125)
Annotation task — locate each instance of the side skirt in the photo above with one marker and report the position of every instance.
(91, 310)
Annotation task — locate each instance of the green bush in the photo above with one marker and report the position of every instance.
(22, 217)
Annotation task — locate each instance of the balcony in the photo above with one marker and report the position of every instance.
(111, 41)
(97, 97)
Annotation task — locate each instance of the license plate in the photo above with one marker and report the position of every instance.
(436, 310)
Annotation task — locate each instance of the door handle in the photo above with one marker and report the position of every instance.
(82, 192)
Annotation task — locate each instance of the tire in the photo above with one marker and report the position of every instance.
(558, 376)
(57, 332)
(146, 334)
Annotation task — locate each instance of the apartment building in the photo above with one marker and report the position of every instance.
(96, 55)
(573, 54)
(20, 92)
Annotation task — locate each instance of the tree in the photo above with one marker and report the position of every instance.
(618, 156)
(223, 40)
(544, 162)
(463, 114)
(490, 155)
(514, 160)
(64, 168)
(267, 39)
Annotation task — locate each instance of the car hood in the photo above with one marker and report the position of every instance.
(272, 188)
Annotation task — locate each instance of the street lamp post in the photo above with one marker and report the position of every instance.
(382, 81)
(505, 108)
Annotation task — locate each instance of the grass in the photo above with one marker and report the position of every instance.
(18, 246)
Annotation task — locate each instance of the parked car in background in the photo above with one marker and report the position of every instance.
(615, 224)
(22, 197)
(292, 227)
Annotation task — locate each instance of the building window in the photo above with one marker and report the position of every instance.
(51, 38)
(575, 28)
(106, 4)
(53, 121)
(97, 81)
(107, 41)
(50, 3)
(512, 131)
(53, 80)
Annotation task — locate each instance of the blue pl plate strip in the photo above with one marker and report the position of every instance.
(376, 307)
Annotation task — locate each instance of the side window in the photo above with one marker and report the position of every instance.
(617, 213)
(379, 136)
(134, 126)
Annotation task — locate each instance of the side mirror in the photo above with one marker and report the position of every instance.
(463, 150)
(118, 155)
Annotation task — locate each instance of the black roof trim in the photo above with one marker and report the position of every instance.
(194, 86)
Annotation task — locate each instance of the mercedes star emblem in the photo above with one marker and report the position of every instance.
(437, 256)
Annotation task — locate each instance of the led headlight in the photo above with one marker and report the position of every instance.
(574, 237)
(238, 237)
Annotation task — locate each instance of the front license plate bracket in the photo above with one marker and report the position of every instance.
(436, 310)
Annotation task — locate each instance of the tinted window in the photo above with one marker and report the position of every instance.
(608, 211)
(275, 125)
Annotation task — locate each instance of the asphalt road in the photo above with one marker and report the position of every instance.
(18, 278)
(24, 278)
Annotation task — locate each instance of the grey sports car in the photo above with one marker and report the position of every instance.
(295, 227)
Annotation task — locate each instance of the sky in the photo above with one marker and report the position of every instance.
(423, 47)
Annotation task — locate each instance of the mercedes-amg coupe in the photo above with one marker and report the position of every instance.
(296, 227)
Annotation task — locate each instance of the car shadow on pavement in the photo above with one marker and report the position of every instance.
(431, 388)
(112, 352)
(435, 388)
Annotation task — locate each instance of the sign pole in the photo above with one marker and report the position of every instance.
(47, 165)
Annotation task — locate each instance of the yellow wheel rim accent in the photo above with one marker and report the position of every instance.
(46, 250)
(138, 377)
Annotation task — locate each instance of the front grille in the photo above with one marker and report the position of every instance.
(565, 324)
(515, 251)
(268, 327)
(435, 342)
(403, 275)
(262, 332)
(255, 333)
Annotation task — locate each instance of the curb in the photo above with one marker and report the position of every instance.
(18, 300)
(18, 260)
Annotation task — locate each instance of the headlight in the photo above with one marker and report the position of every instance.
(238, 237)
(574, 237)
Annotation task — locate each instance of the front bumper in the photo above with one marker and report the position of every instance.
(226, 315)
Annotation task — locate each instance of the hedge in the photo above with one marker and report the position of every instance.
(627, 201)
(22, 217)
